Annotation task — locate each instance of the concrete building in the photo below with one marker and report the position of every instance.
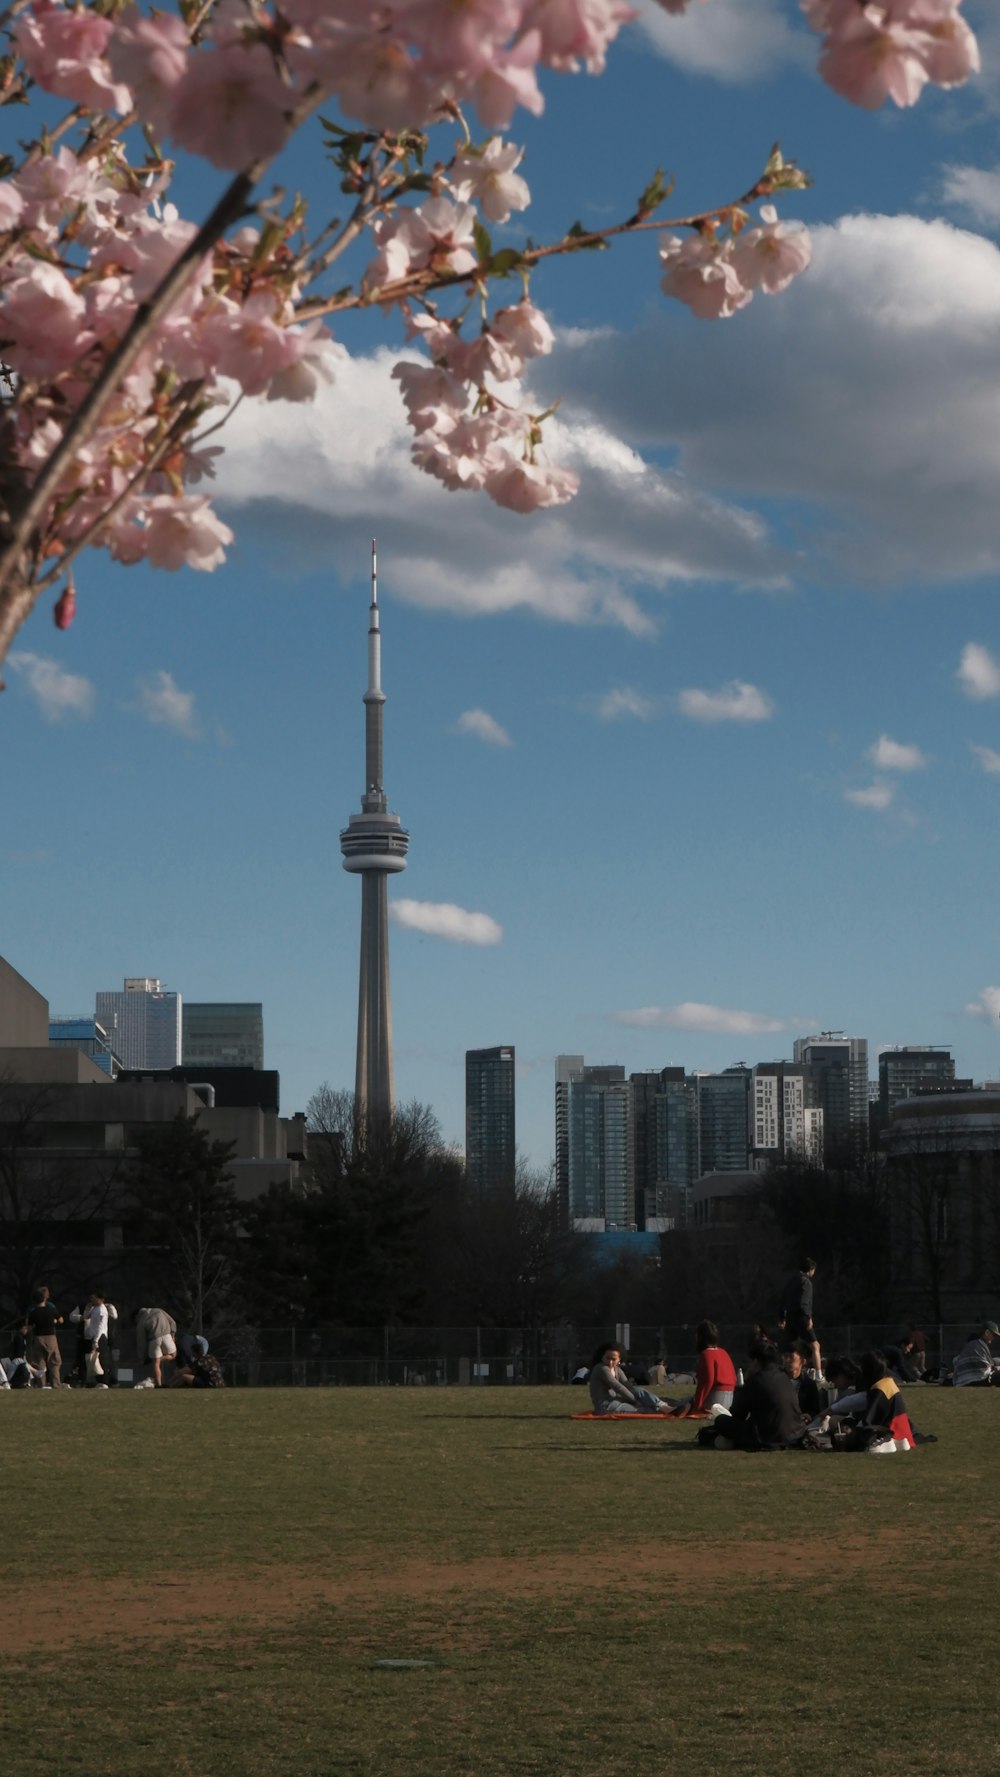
(943, 1176)
(594, 1158)
(143, 1022)
(24, 1013)
(840, 1068)
(490, 1140)
(222, 1033)
(374, 846)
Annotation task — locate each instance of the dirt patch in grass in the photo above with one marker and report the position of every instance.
(210, 1601)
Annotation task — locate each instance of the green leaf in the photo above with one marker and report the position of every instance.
(505, 262)
(579, 233)
(656, 193)
(484, 246)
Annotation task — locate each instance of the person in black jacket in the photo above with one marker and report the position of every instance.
(765, 1414)
(795, 1310)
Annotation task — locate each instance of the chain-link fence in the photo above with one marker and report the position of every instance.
(335, 1357)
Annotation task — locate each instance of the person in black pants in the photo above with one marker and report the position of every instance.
(765, 1414)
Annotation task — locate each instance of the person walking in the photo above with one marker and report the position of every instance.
(43, 1317)
(795, 1311)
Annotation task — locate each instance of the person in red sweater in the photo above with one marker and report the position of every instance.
(715, 1377)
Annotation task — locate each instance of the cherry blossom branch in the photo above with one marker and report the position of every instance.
(231, 206)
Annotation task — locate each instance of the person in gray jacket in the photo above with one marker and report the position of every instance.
(156, 1338)
(611, 1392)
(973, 1367)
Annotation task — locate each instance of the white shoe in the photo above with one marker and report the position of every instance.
(887, 1447)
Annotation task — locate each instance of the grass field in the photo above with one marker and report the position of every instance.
(204, 1585)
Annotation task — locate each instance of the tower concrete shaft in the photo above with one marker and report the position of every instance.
(374, 844)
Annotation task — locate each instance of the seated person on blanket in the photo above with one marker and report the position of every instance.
(611, 1393)
(715, 1377)
(885, 1409)
(812, 1397)
(766, 1414)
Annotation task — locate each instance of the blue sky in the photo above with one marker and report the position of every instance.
(801, 501)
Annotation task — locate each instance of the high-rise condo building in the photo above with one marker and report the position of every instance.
(222, 1033)
(840, 1065)
(374, 845)
(143, 1023)
(489, 1117)
(904, 1072)
(787, 1117)
(724, 1119)
(665, 1146)
(594, 1159)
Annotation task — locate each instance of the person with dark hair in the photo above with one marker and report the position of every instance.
(43, 1318)
(715, 1377)
(811, 1397)
(611, 1392)
(974, 1367)
(795, 1310)
(196, 1367)
(886, 1422)
(765, 1415)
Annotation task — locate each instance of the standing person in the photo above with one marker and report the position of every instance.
(610, 1392)
(94, 1319)
(795, 1310)
(43, 1318)
(156, 1337)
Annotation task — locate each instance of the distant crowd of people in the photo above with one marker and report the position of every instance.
(786, 1396)
(35, 1359)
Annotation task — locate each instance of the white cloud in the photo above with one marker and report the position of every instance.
(57, 693)
(736, 702)
(341, 464)
(864, 396)
(893, 755)
(986, 1006)
(693, 1015)
(877, 796)
(162, 702)
(988, 759)
(484, 727)
(978, 672)
(729, 40)
(624, 701)
(442, 919)
(975, 191)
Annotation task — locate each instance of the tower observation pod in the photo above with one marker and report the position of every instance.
(374, 844)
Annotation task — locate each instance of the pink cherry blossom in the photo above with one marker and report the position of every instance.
(525, 329)
(575, 31)
(769, 257)
(152, 56)
(230, 106)
(250, 342)
(879, 49)
(525, 487)
(431, 395)
(183, 532)
(510, 82)
(64, 52)
(11, 204)
(315, 354)
(487, 176)
(42, 322)
(701, 274)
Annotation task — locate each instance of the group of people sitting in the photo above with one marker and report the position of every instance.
(783, 1402)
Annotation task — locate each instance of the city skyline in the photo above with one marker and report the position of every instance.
(702, 764)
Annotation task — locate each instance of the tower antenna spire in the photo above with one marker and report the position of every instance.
(374, 846)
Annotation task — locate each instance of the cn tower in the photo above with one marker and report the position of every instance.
(374, 844)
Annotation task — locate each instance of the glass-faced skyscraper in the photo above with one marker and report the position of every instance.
(374, 844)
(489, 1117)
